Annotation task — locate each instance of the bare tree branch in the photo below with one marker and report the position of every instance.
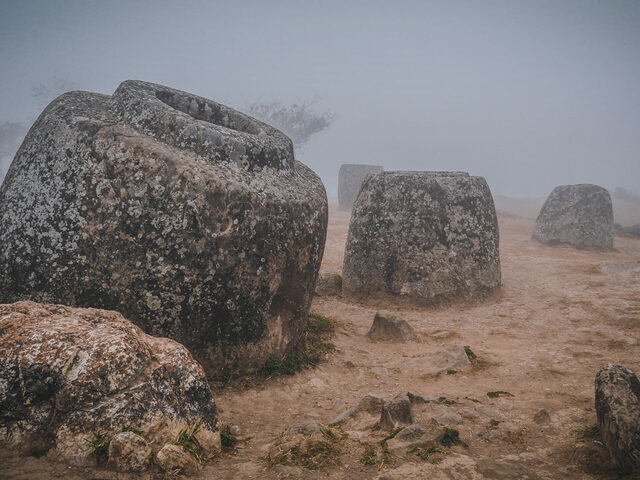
(298, 120)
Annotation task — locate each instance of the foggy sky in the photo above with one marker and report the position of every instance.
(528, 94)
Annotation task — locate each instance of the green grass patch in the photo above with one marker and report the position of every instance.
(320, 324)
(309, 353)
(446, 401)
(451, 372)
(291, 364)
(499, 393)
(472, 356)
(227, 440)
(189, 442)
(99, 446)
(393, 434)
(369, 456)
(129, 428)
(451, 437)
(431, 455)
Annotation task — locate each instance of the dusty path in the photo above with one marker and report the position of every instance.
(561, 315)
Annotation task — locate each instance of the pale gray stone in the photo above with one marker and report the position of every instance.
(578, 215)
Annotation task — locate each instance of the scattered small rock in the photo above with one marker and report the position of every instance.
(173, 458)
(618, 410)
(390, 328)
(448, 419)
(453, 357)
(416, 436)
(396, 412)
(329, 285)
(542, 417)
(370, 403)
(129, 452)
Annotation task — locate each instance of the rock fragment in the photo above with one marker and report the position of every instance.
(387, 327)
(396, 413)
(370, 403)
(542, 416)
(173, 458)
(416, 436)
(329, 285)
(129, 452)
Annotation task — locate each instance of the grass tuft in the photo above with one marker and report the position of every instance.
(313, 454)
(129, 428)
(499, 393)
(472, 356)
(431, 455)
(451, 437)
(188, 441)
(99, 445)
(320, 324)
(309, 353)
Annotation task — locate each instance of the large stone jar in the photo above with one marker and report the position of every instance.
(422, 236)
(191, 219)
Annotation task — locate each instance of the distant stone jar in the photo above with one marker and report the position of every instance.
(425, 237)
(191, 219)
(350, 180)
(577, 215)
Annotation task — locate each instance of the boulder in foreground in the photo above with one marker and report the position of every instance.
(618, 410)
(191, 219)
(67, 374)
(578, 215)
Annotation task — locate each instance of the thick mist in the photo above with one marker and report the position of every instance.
(528, 94)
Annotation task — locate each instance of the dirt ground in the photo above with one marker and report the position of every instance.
(560, 316)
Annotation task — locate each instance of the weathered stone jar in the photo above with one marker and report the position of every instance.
(191, 219)
(422, 236)
(578, 215)
(350, 178)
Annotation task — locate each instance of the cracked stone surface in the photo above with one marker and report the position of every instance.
(191, 219)
(577, 215)
(68, 372)
(422, 236)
